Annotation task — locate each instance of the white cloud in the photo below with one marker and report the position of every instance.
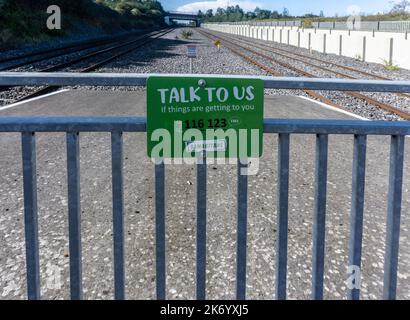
(215, 4)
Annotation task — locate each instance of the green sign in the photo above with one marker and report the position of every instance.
(187, 116)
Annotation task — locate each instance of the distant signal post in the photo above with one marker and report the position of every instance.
(192, 54)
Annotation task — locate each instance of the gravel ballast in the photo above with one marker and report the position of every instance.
(168, 55)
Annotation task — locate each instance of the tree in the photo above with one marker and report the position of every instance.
(275, 15)
(257, 11)
(236, 13)
(209, 13)
(401, 7)
(250, 15)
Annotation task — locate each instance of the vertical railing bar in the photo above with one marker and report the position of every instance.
(319, 217)
(283, 205)
(201, 229)
(74, 214)
(118, 214)
(356, 215)
(160, 229)
(393, 217)
(31, 214)
(241, 233)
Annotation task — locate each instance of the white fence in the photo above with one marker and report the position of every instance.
(369, 46)
(389, 26)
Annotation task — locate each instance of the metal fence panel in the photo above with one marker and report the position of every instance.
(284, 128)
(73, 126)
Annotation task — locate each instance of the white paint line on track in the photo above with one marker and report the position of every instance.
(32, 99)
(334, 108)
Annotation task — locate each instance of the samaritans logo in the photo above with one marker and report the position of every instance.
(216, 118)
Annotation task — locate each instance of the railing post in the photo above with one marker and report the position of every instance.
(74, 214)
(201, 229)
(356, 215)
(160, 229)
(242, 232)
(118, 214)
(31, 215)
(282, 216)
(319, 217)
(393, 217)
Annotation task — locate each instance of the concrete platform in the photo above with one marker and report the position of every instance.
(121, 103)
(139, 206)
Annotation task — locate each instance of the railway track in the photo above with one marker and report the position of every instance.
(107, 55)
(232, 45)
(49, 53)
(269, 70)
(287, 54)
(341, 66)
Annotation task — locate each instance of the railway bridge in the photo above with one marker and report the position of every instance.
(174, 15)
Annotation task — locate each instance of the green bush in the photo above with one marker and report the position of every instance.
(307, 23)
(390, 66)
(186, 34)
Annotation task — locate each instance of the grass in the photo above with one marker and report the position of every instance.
(390, 66)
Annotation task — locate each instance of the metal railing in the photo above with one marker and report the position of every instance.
(73, 126)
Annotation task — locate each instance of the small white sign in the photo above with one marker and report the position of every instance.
(206, 145)
(191, 51)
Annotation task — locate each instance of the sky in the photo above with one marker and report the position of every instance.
(296, 7)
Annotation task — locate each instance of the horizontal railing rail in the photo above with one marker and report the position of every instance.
(137, 79)
(138, 124)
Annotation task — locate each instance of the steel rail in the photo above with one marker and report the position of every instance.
(87, 55)
(94, 66)
(54, 52)
(356, 95)
(344, 75)
(311, 93)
